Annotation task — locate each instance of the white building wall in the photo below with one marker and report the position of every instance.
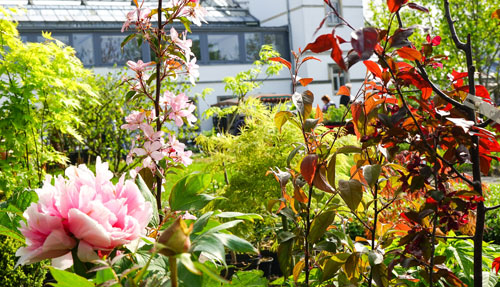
(304, 17)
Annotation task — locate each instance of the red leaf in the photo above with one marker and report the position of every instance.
(394, 5)
(356, 110)
(364, 41)
(417, 81)
(308, 167)
(374, 68)
(409, 54)
(436, 41)
(343, 90)
(496, 263)
(496, 14)
(457, 76)
(305, 81)
(400, 37)
(310, 58)
(322, 43)
(418, 7)
(282, 61)
(341, 40)
(337, 55)
(482, 92)
(485, 164)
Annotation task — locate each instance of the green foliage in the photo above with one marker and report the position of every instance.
(42, 86)
(101, 134)
(68, 279)
(29, 275)
(247, 157)
(337, 114)
(11, 213)
(471, 17)
(492, 220)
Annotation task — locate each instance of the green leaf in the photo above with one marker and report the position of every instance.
(239, 215)
(371, 173)
(223, 226)
(320, 224)
(348, 149)
(285, 256)
(248, 279)
(330, 269)
(130, 95)
(185, 259)
(186, 195)
(281, 118)
(235, 243)
(209, 272)
(375, 258)
(68, 279)
(149, 197)
(351, 192)
(380, 275)
(201, 222)
(127, 39)
(211, 245)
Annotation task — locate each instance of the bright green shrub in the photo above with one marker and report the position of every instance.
(23, 276)
(41, 88)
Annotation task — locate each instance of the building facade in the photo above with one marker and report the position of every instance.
(227, 45)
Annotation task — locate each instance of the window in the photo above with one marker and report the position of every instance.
(332, 18)
(111, 52)
(223, 48)
(196, 46)
(278, 41)
(62, 38)
(252, 46)
(339, 78)
(84, 47)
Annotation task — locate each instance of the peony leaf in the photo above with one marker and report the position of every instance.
(68, 279)
(149, 197)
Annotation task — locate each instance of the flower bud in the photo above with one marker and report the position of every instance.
(175, 239)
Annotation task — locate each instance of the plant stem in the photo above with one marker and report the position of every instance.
(157, 102)
(308, 228)
(374, 228)
(173, 270)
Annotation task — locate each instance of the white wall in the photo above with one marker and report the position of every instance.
(305, 17)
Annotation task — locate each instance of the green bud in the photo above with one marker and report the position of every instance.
(175, 239)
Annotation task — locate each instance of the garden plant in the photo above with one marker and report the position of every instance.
(404, 188)
(381, 201)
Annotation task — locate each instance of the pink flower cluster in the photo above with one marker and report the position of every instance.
(176, 108)
(84, 209)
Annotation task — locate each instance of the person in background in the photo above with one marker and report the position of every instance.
(326, 100)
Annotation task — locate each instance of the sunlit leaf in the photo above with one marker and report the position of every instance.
(282, 61)
(409, 54)
(351, 192)
(320, 224)
(308, 167)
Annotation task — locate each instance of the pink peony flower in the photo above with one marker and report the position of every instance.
(86, 208)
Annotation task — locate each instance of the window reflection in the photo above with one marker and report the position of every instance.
(278, 43)
(196, 46)
(223, 47)
(252, 46)
(112, 53)
(84, 47)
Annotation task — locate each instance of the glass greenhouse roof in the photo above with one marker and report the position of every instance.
(88, 13)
